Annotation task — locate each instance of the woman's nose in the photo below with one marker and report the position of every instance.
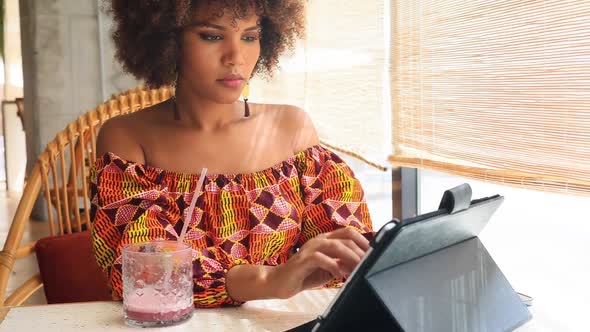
(233, 54)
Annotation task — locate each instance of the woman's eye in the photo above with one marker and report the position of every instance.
(250, 38)
(209, 37)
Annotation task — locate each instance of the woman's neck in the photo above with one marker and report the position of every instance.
(194, 111)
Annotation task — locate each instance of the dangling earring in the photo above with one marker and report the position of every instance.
(174, 87)
(245, 94)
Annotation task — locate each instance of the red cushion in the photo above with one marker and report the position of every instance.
(69, 270)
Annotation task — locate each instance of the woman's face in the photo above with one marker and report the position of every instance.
(218, 55)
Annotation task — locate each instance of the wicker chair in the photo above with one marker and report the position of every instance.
(64, 185)
(20, 110)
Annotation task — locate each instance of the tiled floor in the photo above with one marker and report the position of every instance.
(27, 267)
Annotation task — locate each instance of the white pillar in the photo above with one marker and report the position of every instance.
(68, 65)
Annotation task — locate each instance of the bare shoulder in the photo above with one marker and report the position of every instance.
(119, 136)
(297, 125)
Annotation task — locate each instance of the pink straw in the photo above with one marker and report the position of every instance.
(191, 207)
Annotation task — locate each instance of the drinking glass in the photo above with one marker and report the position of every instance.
(157, 283)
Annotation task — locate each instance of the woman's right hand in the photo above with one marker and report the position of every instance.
(321, 259)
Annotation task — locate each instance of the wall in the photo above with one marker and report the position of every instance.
(13, 132)
(68, 65)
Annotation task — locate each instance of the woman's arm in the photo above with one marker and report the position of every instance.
(327, 256)
(329, 249)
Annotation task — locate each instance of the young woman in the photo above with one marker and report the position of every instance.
(277, 213)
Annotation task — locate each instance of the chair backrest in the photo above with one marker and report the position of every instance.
(59, 179)
(20, 110)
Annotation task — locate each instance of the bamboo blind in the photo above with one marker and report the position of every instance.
(337, 75)
(494, 90)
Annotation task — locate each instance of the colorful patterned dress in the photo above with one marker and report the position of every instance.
(254, 218)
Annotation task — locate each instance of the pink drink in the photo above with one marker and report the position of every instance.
(151, 307)
(157, 283)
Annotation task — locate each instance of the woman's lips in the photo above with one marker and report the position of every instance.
(231, 83)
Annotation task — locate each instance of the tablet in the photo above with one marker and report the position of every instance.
(428, 273)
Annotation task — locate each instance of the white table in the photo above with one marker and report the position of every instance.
(267, 315)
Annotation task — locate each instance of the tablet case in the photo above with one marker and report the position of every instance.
(430, 273)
